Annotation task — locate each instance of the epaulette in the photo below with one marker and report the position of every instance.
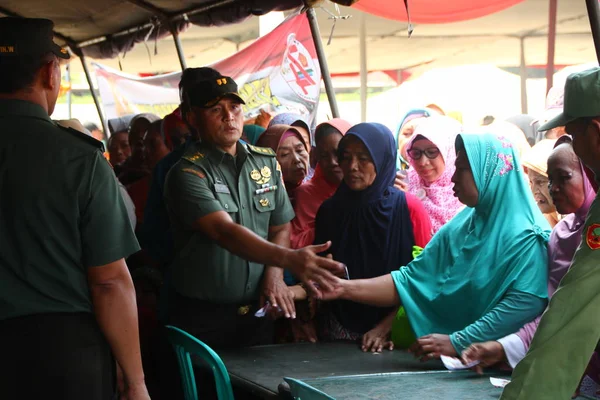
(86, 138)
(265, 151)
(194, 156)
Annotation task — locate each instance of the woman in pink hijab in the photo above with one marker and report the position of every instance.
(432, 155)
(322, 186)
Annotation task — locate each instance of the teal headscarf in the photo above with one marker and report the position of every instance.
(253, 132)
(473, 260)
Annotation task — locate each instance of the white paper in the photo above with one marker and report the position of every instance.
(455, 364)
(263, 311)
(499, 382)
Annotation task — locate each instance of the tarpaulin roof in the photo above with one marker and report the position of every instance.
(434, 11)
(114, 26)
(107, 28)
(493, 39)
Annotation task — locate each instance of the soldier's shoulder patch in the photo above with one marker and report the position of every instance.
(592, 236)
(265, 151)
(80, 135)
(193, 171)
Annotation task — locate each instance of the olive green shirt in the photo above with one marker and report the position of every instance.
(61, 212)
(207, 180)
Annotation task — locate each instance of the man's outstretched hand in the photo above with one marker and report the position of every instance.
(313, 270)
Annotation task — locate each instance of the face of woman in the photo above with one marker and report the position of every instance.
(465, 188)
(539, 188)
(328, 160)
(565, 179)
(426, 159)
(406, 133)
(293, 158)
(305, 135)
(357, 165)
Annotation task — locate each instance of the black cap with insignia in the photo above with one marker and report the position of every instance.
(208, 92)
(28, 37)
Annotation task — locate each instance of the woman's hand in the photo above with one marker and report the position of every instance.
(433, 346)
(487, 353)
(400, 181)
(377, 339)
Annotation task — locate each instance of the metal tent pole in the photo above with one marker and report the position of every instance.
(523, 73)
(316, 34)
(551, 44)
(364, 83)
(179, 49)
(94, 96)
(69, 97)
(594, 15)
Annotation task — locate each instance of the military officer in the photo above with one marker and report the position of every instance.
(67, 303)
(230, 216)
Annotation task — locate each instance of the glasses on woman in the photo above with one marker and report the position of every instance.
(430, 153)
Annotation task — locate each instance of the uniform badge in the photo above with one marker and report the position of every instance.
(255, 175)
(264, 202)
(266, 172)
(195, 157)
(592, 236)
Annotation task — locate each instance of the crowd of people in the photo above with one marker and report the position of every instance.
(450, 238)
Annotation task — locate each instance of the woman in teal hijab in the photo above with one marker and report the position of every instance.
(484, 273)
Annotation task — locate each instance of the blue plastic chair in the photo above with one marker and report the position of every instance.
(185, 345)
(303, 391)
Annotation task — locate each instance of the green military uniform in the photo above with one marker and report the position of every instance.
(569, 330)
(250, 189)
(60, 210)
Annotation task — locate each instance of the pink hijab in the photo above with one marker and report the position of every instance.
(310, 196)
(437, 197)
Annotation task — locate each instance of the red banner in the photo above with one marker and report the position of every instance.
(278, 73)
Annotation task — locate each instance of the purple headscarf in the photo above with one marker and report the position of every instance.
(564, 241)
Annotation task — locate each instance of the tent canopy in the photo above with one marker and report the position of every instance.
(493, 39)
(434, 11)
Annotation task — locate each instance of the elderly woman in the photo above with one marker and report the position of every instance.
(372, 227)
(484, 274)
(431, 154)
(323, 184)
(536, 161)
(292, 154)
(573, 195)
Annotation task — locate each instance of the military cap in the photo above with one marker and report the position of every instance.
(28, 37)
(206, 93)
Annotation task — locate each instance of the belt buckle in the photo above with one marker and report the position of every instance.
(243, 310)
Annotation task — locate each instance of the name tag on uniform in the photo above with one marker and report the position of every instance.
(220, 188)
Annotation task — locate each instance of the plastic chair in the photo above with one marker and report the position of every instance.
(186, 345)
(303, 391)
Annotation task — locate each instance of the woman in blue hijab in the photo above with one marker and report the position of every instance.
(372, 225)
(484, 274)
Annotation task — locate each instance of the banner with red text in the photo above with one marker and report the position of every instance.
(278, 73)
